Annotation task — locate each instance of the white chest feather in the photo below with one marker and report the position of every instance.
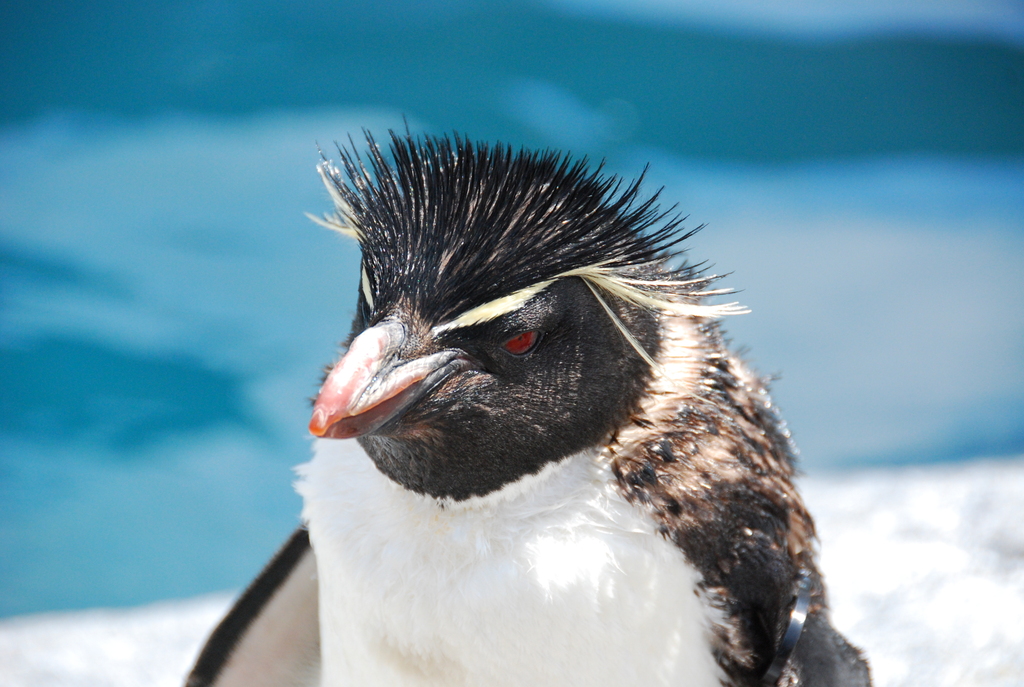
(556, 580)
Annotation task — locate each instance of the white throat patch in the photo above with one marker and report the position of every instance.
(553, 580)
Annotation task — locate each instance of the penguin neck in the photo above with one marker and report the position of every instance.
(319, 483)
(707, 416)
(686, 345)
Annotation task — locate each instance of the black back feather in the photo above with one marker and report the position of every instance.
(450, 224)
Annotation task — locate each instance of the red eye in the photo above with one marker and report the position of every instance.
(518, 345)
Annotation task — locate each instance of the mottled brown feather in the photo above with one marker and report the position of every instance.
(709, 456)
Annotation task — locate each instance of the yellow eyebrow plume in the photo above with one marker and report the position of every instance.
(496, 308)
(599, 278)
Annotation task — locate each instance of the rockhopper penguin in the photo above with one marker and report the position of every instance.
(568, 478)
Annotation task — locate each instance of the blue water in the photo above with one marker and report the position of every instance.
(166, 307)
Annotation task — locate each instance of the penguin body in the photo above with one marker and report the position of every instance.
(568, 478)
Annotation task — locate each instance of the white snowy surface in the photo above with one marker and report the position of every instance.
(146, 646)
(925, 568)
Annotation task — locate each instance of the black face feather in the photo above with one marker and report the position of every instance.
(450, 224)
(510, 415)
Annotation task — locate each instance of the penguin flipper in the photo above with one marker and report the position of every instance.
(271, 636)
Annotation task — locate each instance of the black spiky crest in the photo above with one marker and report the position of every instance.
(451, 224)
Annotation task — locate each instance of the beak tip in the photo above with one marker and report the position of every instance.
(318, 423)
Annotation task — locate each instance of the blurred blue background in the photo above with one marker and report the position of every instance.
(166, 308)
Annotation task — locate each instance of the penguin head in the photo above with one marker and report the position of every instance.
(505, 313)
